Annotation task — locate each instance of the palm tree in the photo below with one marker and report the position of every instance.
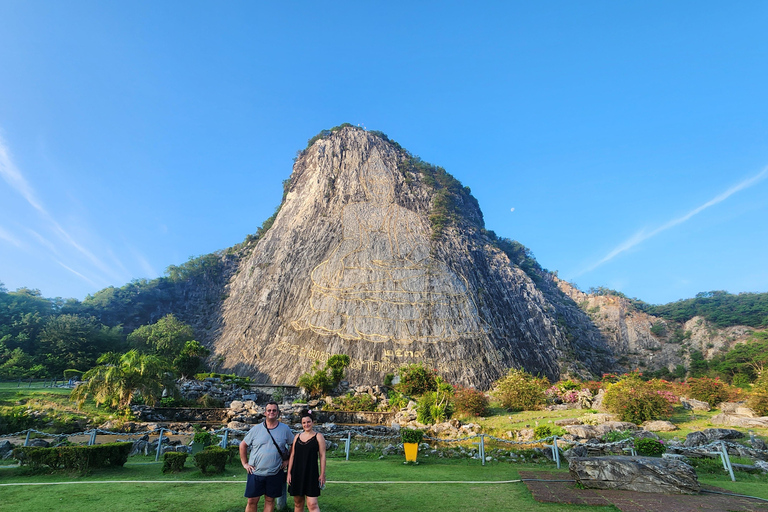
(119, 377)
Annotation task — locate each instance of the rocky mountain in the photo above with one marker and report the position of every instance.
(647, 342)
(376, 255)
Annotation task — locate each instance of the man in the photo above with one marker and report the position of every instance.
(265, 466)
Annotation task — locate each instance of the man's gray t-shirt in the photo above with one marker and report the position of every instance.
(264, 456)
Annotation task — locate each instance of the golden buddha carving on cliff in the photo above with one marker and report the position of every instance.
(380, 283)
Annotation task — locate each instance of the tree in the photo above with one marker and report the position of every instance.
(120, 377)
(72, 341)
(167, 337)
(323, 380)
(190, 360)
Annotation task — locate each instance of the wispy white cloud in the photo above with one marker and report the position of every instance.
(643, 235)
(16, 180)
(43, 241)
(8, 237)
(77, 273)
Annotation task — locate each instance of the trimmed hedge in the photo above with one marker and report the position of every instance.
(173, 462)
(74, 458)
(212, 460)
(410, 435)
(649, 447)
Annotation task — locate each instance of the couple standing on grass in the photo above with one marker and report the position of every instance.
(275, 450)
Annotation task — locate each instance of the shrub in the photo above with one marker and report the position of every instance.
(635, 401)
(74, 458)
(649, 447)
(416, 379)
(521, 391)
(233, 453)
(436, 406)
(543, 431)
(712, 391)
(202, 437)
(397, 400)
(470, 402)
(173, 462)
(226, 378)
(322, 380)
(211, 460)
(210, 402)
(758, 402)
(410, 435)
(617, 435)
(350, 402)
(708, 466)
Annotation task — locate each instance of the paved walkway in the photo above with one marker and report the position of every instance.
(630, 501)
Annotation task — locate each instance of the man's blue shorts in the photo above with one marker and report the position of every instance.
(271, 485)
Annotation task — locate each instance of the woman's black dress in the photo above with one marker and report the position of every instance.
(305, 474)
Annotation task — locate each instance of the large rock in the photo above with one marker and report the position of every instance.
(642, 474)
(595, 431)
(6, 449)
(694, 405)
(659, 426)
(710, 435)
(737, 420)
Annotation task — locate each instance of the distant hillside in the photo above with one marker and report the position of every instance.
(721, 308)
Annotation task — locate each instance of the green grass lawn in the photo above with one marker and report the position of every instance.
(190, 490)
(170, 494)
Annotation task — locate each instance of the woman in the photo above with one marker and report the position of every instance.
(304, 482)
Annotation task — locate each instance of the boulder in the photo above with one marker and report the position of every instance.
(577, 450)
(568, 421)
(597, 402)
(695, 405)
(746, 411)
(595, 431)
(237, 425)
(758, 444)
(736, 420)
(6, 449)
(730, 407)
(525, 434)
(709, 435)
(640, 474)
(659, 426)
(598, 418)
(645, 434)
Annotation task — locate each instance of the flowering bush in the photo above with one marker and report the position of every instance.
(521, 391)
(568, 392)
(712, 391)
(470, 402)
(592, 385)
(669, 396)
(758, 402)
(636, 401)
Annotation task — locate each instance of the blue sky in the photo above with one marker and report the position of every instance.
(631, 139)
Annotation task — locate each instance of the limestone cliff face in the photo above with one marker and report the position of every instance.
(628, 333)
(351, 266)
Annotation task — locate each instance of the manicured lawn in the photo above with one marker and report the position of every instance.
(172, 495)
